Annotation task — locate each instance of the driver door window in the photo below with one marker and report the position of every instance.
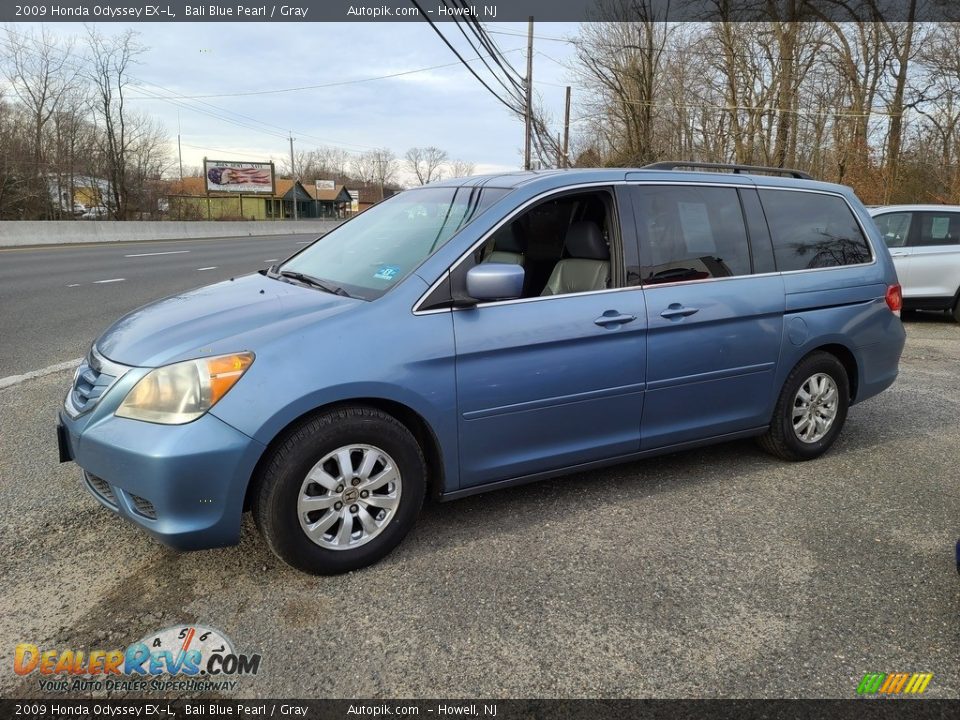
(566, 244)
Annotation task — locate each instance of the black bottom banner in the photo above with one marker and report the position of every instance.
(864, 709)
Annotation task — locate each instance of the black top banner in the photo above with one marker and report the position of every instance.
(132, 11)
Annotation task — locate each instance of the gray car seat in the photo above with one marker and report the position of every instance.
(509, 246)
(588, 265)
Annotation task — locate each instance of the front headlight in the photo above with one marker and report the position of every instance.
(182, 392)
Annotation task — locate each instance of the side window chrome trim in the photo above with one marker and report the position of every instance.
(555, 191)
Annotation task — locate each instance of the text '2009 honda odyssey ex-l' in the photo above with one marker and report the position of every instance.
(478, 333)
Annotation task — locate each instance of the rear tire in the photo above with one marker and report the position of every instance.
(340, 491)
(956, 310)
(811, 409)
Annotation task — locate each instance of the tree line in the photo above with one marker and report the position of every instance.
(377, 168)
(875, 105)
(65, 123)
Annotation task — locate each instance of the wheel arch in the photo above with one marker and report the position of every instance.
(847, 358)
(410, 418)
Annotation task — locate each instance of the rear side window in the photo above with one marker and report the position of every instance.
(690, 233)
(894, 227)
(813, 230)
(936, 228)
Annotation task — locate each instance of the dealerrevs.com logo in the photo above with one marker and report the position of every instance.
(183, 657)
(894, 683)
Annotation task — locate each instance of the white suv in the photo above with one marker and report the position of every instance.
(924, 241)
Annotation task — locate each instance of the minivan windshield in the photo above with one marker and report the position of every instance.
(368, 255)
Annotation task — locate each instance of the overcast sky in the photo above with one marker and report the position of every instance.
(445, 107)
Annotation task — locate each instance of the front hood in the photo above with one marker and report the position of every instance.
(229, 316)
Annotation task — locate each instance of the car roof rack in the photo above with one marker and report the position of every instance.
(735, 169)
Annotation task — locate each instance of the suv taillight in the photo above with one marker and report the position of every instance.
(894, 298)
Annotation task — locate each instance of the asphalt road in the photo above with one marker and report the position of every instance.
(57, 299)
(716, 573)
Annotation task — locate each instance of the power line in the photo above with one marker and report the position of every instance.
(325, 85)
(215, 111)
(460, 57)
(460, 26)
(519, 33)
(229, 152)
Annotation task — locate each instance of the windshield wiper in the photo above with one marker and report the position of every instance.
(315, 282)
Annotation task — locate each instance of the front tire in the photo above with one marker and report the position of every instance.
(811, 409)
(340, 491)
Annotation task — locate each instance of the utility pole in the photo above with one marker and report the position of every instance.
(180, 189)
(528, 110)
(179, 151)
(566, 132)
(293, 174)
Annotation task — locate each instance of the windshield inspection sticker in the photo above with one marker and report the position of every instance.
(387, 272)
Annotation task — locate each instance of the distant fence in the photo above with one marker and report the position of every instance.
(15, 233)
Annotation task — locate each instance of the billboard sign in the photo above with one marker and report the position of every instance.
(238, 177)
(326, 185)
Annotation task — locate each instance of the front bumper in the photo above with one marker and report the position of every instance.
(182, 484)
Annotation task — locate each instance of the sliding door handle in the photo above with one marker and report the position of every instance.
(677, 311)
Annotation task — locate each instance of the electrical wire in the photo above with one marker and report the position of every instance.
(510, 90)
(433, 25)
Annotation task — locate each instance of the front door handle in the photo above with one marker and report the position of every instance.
(614, 317)
(676, 310)
(898, 254)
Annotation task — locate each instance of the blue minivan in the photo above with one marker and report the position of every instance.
(479, 333)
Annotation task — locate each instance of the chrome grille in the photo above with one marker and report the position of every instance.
(144, 506)
(93, 378)
(101, 488)
(89, 385)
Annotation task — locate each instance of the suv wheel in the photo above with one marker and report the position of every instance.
(341, 491)
(956, 310)
(811, 409)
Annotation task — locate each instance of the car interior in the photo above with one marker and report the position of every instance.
(563, 245)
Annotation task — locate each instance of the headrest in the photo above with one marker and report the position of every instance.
(584, 240)
(511, 239)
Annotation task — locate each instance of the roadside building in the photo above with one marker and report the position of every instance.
(74, 194)
(329, 202)
(188, 199)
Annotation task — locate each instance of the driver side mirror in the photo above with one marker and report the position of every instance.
(495, 281)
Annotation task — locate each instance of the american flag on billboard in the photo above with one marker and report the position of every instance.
(238, 177)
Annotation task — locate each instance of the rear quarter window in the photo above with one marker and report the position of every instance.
(937, 228)
(813, 230)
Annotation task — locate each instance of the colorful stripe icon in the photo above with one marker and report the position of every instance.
(894, 683)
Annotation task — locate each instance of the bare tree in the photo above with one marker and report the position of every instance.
(334, 163)
(461, 168)
(364, 168)
(377, 167)
(41, 77)
(620, 61)
(111, 59)
(426, 163)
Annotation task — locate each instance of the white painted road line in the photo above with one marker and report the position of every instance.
(212, 267)
(17, 379)
(167, 252)
(272, 260)
(74, 285)
(304, 242)
(103, 282)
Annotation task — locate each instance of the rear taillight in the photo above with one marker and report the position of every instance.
(894, 298)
